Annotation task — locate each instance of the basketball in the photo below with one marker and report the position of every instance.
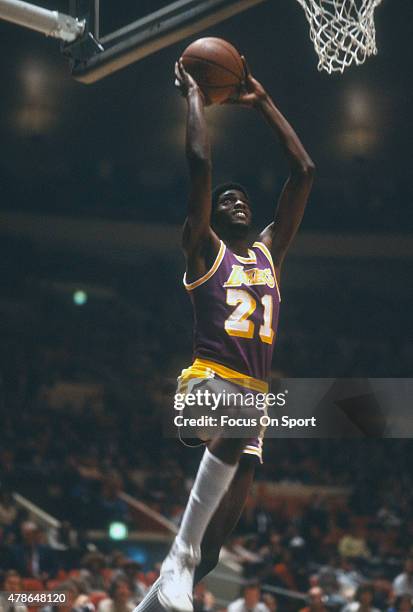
(216, 66)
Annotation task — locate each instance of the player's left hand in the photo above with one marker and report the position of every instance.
(184, 81)
(251, 93)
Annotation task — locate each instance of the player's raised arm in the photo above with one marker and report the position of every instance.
(291, 205)
(197, 235)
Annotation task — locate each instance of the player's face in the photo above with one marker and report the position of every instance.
(233, 209)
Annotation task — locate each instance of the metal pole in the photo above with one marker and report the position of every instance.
(50, 23)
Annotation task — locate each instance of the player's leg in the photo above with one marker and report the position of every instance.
(222, 522)
(226, 516)
(215, 474)
(212, 482)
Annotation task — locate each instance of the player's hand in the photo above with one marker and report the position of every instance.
(184, 81)
(251, 92)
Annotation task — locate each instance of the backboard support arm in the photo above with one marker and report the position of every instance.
(145, 36)
(51, 23)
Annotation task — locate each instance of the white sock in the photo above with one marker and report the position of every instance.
(211, 483)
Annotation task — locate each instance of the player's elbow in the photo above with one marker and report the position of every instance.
(198, 159)
(304, 172)
(310, 168)
(307, 169)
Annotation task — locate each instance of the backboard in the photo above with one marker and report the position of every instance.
(118, 34)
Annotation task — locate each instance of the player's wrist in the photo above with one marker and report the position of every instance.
(194, 92)
(262, 99)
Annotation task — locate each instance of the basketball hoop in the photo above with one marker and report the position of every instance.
(342, 31)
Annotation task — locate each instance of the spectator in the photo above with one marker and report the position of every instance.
(204, 601)
(270, 601)
(403, 583)
(63, 537)
(111, 507)
(348, 578)
(65, 542)
(31, 556)
(92, 573)
(403, 603)
(364, 600)
(12, 583)
(250, 602)
(76, 598)
(130, 571)
(8, 511)
(388, 517)
(263, 523)
(339, 580)
(6, 549)
(315, 601)
(353, 545)
(120, 598)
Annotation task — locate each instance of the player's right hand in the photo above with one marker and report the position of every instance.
(251, 93)
(184, 81)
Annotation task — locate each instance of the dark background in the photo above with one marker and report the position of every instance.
(116, 147)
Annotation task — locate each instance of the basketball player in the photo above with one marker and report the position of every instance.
(234, 288)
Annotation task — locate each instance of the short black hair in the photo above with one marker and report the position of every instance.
(367, 587)
(251, 584)
(219, 189)
(115, 583)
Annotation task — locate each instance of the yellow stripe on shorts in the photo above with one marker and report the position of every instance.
(203, 369)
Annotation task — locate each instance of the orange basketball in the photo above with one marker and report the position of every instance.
(216, 66)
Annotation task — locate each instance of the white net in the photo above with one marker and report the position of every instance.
(342, 31)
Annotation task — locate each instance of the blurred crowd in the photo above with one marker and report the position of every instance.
(114, 583)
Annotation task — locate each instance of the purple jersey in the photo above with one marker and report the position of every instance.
(236, 306)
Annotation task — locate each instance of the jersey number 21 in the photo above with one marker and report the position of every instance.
(238, 323)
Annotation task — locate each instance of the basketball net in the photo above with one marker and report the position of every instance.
(342, 31)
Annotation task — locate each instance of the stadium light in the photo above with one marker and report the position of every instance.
(80, 297)
(118, 531)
